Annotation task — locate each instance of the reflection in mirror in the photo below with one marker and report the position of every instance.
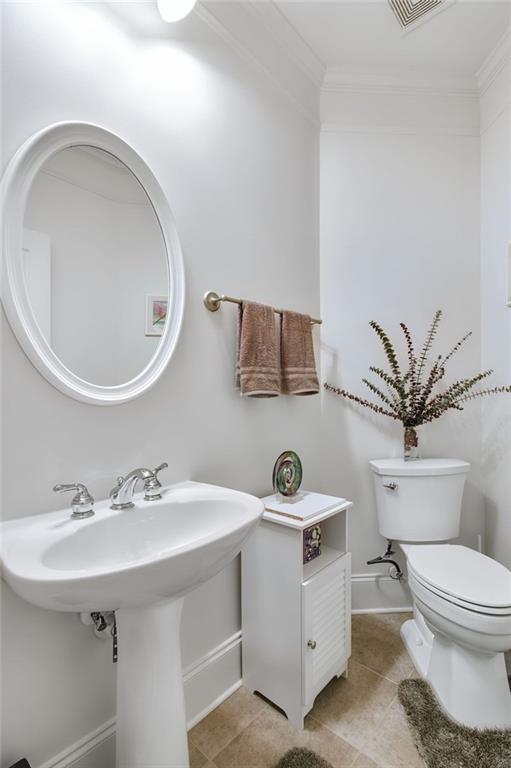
(95, 265)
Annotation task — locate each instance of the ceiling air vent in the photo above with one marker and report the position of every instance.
(408, 12)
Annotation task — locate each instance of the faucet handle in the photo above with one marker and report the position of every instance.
(152, 485)
(82, 503)
(159, 469)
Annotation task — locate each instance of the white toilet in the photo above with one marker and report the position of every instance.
(462, 599)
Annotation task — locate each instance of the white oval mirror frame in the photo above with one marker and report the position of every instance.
(15, 187)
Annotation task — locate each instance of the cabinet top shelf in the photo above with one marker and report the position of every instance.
(290, 522)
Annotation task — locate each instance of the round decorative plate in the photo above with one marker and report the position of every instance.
(287, 474)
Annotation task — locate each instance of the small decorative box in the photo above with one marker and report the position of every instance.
(311, 543)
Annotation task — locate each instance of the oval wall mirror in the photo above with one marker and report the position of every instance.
(93, 280)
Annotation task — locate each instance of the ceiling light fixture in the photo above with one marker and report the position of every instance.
(174, 10)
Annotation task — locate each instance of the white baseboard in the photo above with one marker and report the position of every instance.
(208, 681)
(212, 678)
(77, 753)
(402, 609)
(379, 593)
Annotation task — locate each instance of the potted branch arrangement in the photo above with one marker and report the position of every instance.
(413, 396)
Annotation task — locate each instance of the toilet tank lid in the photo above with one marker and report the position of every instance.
(418, 467)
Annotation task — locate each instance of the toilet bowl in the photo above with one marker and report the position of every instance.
(462, 599)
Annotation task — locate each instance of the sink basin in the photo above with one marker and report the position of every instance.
(127, 558)
(138, 562)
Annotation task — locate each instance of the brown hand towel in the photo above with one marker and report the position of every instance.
(298, 367)
(257, 360)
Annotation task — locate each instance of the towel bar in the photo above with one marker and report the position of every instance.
(212, 302)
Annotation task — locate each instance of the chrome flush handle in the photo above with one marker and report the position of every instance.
(392, 486)
(82, 503)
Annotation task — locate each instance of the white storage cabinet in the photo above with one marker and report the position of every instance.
(296, 617)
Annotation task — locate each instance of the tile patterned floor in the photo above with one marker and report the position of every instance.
(355, 723)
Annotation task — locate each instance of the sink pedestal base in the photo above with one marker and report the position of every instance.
(151, 720)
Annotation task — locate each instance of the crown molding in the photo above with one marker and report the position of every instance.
(285, 35)
(262, 36)
(268, 43)
(495, 62)
(396, 130)
(344, 80)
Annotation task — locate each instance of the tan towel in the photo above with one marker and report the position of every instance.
(298, 366)
(257, 360)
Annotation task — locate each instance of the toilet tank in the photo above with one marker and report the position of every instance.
(419, 500)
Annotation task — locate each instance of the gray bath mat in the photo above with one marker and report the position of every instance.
(444, 744)
(302, 758)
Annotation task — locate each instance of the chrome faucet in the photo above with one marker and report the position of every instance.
(122, 495)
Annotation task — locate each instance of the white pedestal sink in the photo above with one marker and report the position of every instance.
(139, 562)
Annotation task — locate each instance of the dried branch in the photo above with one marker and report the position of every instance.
(375, 390)
(456, 347)
(412, 360)
(446, 399)
(366, 403)
(389, 350)
(428, 343)
(409, 399)
(483, 393)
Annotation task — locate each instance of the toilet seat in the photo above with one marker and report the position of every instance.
(489, 624)
(484, 609)
(463, 577)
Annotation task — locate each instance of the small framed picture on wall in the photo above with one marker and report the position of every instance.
(155, 314)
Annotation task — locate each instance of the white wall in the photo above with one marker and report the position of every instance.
(496, 317)
(239, 165)
(399, 239)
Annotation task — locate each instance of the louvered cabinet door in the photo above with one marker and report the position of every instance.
(326, 608)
